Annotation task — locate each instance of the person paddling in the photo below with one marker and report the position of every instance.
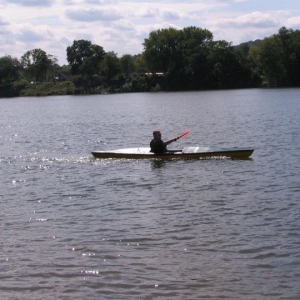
(157, 145)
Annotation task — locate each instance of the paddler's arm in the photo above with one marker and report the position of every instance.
(170, 141)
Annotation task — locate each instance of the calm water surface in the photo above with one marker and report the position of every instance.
(77, 228)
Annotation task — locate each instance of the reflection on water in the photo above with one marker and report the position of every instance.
(158, 163)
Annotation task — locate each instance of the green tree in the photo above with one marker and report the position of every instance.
(196, 44)
(35, 64)
(294, 58)
(82, 50)
(272, 62)
(180, 54)
(53, 66)
(89, 70)
(279, 58)
(127, 64)
(140, 65)
(110, 66)
(290, 46)
(253, 59)
(9, 69)
(227, 70)
(161, 50)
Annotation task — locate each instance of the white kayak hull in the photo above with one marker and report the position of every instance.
(185, 153)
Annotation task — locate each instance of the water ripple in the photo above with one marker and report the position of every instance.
(73, 227)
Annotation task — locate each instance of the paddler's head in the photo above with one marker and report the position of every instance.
(156, 134)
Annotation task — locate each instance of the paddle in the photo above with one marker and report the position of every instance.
(185, 134)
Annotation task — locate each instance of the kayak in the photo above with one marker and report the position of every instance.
(185, 153)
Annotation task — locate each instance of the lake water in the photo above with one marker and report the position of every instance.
(73, 227)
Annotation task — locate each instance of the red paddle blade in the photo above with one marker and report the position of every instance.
(185, 134)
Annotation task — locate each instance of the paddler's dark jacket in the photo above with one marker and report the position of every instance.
(157, 146)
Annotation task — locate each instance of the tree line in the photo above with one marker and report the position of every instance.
(172, 60)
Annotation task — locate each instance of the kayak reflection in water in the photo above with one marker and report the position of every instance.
(157, 145)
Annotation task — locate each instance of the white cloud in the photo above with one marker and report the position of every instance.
(28, 37)
(93, 15)
(3, 22)
(99, 1)
(28, 33)
(171, 15)
(88, 2)
(162, 13)
(293, 22)
(254, 19)
(124, 25)
(146, 11)
(31, 3)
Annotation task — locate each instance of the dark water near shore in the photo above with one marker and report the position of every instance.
(77, 228)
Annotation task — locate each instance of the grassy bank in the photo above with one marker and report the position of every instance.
(48, 89)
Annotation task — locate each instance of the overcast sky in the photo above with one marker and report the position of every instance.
(121, 26)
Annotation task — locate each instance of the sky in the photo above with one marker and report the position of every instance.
(122, 25)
